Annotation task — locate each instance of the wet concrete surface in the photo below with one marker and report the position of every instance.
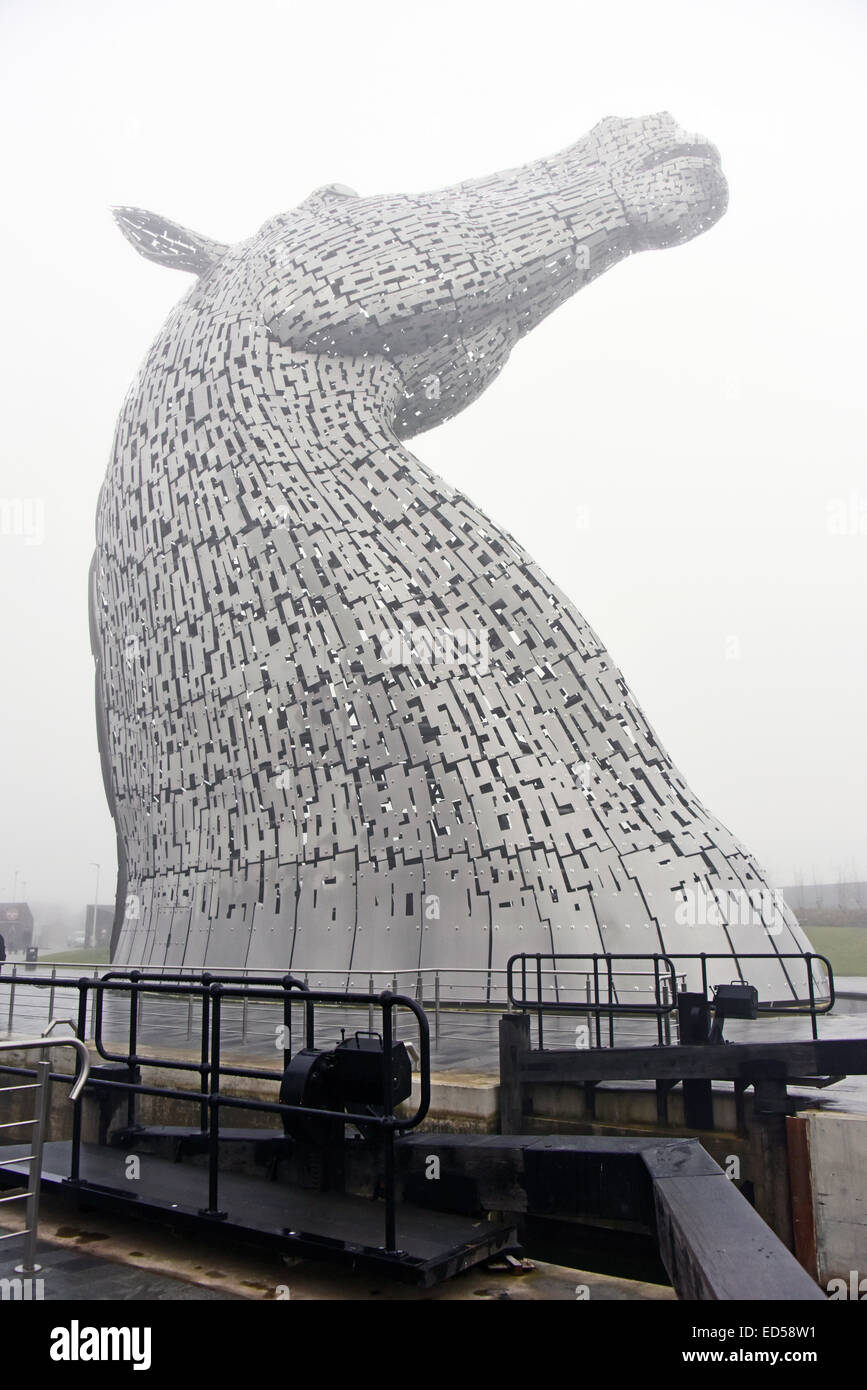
(464, 1040)
(72, 1274)
(94, 1255)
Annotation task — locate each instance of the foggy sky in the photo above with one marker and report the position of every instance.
(681, 446)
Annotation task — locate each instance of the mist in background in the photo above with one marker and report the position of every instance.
(681, 446)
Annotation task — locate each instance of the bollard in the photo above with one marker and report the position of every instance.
(92, 993)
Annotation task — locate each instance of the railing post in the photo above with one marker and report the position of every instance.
(34, 1184)
(205, 1052)
(81, 1031)
(94, 976)
(51, 993)
(388, 1106)
(437, 1010)
(814, 1027)
(11, 998)
(371, 989)
(597, 1016)
(610, 999)
(214, 994)
(134, 1016)
(287, 1022)
(657, 998)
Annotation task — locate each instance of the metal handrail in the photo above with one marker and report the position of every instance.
(211, 987)
(812, 1007)
(38, 1122)
(211, 990)
(609, 1005)
(662, 972)
(442, 989)
(44, 1042)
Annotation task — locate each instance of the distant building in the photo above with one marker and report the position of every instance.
(104, 924)
(16, 926)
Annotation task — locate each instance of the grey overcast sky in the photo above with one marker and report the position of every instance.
(681, 446)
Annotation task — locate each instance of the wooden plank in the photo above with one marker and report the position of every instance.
(514, 1044)
(715, 1246)
(803, 1207)
(730, 1062)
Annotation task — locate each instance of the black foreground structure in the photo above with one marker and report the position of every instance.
(345, 1178)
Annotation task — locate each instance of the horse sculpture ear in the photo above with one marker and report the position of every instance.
(167, 243)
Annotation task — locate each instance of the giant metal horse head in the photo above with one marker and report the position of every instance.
(444, 284)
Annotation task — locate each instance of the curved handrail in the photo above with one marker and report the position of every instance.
(28, 1044)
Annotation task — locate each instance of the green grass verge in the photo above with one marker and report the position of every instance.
(845, 947)
(94, 955)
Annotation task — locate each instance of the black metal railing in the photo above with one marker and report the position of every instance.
(211, 991)
(606, 976)
(600, 979)
(810, 1006)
